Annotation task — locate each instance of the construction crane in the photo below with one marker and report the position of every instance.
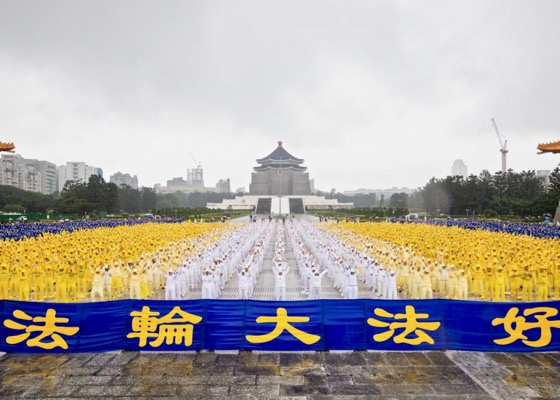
(198, 165)
(503, 147)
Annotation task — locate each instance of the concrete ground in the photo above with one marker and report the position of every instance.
(295, 376)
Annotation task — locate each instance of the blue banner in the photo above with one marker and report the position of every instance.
(33, 327)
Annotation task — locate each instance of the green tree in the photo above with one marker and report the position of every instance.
(486, 191)
(95, 193)
(73, 199)
(110, 197)
(148, 199)
(128, 199)
(398, 200)
(436, 199)
(554, 185)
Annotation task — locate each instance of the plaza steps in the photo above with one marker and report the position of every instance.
(296, 206)
(280, 206)
(264, 206)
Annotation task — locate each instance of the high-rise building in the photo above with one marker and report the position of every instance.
(544, 176)
(223, 186)
(193, 183)
(177, 183)
(28, 174)
(124, 179)
(195, 178)
(77, 172)
(459, 168)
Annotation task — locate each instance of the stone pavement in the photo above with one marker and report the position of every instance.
(295, 376)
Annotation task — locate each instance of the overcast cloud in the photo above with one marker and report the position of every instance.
(372, 94)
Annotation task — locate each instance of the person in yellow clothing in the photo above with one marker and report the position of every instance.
(452, 283)
(4, 282)
(515, 282)
(404, 277)
(61, 285)
(49, 281)
(82, 279)
(416, 291)
(72, 283)
(107, 281)
(478, 282)
(14, 280)
(500, 284)
(24, 285)
(117, 280)
(443, 281)
(426, 285)
(144, 288)
(39, 285)
(488, 284)
(527, 282)
(542, 284)
(463, 285)
(556, 281)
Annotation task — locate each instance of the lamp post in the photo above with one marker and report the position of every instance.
(280, 191)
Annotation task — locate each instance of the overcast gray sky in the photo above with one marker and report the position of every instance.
(372, 94)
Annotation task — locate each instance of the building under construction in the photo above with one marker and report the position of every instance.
(195, 178)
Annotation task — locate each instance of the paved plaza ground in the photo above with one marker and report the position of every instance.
(295, 376)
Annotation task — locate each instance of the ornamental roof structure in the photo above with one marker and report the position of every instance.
(553, 147)
(7, 146)
(280, 159)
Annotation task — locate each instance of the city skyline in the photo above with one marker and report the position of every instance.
(389, 98)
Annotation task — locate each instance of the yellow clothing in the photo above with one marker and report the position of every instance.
(500, 286)
(542, 286)
(23, 286)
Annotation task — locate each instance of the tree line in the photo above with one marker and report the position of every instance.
(96, 196)
(512, 193)
(522, 194)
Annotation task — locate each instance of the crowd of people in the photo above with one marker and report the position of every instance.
(102, 263)
(433, 261)
(515, 228)
(417, 261)
(18, 231)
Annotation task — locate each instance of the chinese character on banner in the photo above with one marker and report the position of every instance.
(515, 325)
(409, 325)
(48, 329)
(282, 321)
(174, 327)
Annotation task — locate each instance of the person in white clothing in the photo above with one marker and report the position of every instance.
(315, 283)
(390, 286)
(170, 285)
(280, 282)
(134, 291)
(97, 286)
(207, 285)
(352, 284)
(243, 284)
